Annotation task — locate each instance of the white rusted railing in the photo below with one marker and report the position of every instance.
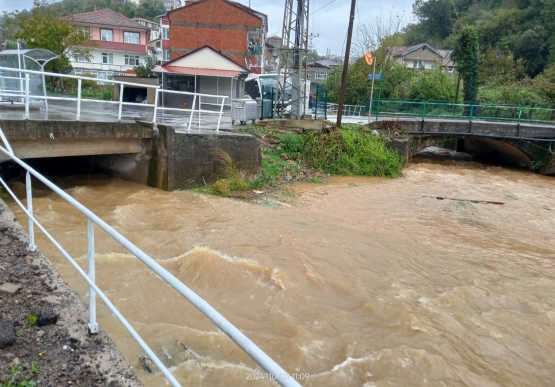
(26, 96)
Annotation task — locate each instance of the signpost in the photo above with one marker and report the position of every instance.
(371, 61)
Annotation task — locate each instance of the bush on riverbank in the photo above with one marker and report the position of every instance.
(310, 157)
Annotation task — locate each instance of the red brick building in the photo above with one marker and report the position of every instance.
(233, 29)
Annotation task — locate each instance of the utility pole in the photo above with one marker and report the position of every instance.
(346, 64)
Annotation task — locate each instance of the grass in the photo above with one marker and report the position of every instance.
(14, 379)
(352, 150)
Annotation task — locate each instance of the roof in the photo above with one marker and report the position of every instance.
(206, 46)
(121, 46)
(105, 17)
(33, 53)
(328, 63)
(403, 50)
(447, 61)
(240, 6)
(195, 71)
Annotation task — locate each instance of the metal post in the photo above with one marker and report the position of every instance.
(471, 112)
(273, 104)
(120, 101)
(29, 190)
(19, 66)
(93, 326)
(155, 105)
(379, 95)
(26, 96)
(44, 88)
(424, 111)
(372, 91)
(221, 112)
(192, 111)
(79, 81)
(262, 106)
(199, 108)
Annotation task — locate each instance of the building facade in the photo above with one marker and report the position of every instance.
(423, 56)
(317, 72)
(235, 30)
(119, 44)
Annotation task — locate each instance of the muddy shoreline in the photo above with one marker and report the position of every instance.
(61, 352)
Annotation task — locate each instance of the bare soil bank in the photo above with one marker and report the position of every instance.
(57, 354)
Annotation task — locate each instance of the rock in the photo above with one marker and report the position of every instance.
(4, 241)
(16, 361)
(41, 333)
(288, 178)
(10, 288)
(7, 333)
(47, 319)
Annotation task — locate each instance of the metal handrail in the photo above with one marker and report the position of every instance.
(464, 110)
(277, 373)
(27, 96)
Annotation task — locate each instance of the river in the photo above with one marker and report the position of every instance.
(357, 282)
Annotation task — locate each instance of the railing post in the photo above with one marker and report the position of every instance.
(471, 112)
(29, 190)
(424, 111)
(120, 101)
(27, 96)
(155, 105)
(192, 111)
(79, 82)
(273, 104)
(519, 114)
(221, 112)
(199, 109)
(93, 326)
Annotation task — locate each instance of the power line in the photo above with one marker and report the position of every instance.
(324, 6)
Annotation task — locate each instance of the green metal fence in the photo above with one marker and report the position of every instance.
(466, 111)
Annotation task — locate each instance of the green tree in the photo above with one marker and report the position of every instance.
(437, 16)
(532, 46)
(357, 86)
(466, 55)
(150, 9)
(432, 85)
(43, 28)
(146, 69)
(397, 81)
(545, 84)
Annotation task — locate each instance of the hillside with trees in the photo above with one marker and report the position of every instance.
(516, 54)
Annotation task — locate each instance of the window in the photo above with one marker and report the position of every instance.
(433, 66)
(79, 58)
(149, 25)
(131, 37)
(417, 64)
(308, 75)
(158, 44)
(84, 30)
(166, 55)
(165, 33)
(451, 69)
(321, 76)
(131, 60)
(106, 35)
(107, 58)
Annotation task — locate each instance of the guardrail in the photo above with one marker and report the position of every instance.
(465, 111)
(28, 96)
(277, 373)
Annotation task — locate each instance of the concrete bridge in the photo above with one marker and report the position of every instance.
(526, 145)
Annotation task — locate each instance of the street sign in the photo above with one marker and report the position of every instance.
(375, 77)
(369, 58)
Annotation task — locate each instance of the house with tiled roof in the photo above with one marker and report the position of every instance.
(119, 44)
(423, 56)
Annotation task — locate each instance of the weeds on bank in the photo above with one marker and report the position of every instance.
(17, 378)
(352, 150)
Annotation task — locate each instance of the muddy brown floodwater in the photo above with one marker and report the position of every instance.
(361, 282)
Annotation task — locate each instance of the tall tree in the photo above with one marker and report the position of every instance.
(466, 55)
(43, 28)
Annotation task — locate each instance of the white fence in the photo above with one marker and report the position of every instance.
(348, 110)
(23, 93)
(274, 370)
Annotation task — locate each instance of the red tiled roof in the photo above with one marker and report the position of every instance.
(121, 46)
(195, 71)
(105, 17)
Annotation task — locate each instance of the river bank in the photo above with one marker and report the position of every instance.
(56, 350)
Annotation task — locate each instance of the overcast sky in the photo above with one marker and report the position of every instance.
(330, 22)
